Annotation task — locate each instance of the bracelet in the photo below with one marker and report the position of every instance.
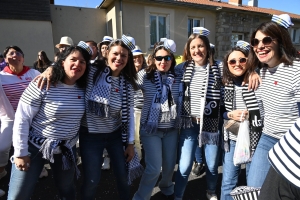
(132, 142)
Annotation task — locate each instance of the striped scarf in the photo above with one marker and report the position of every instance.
(162, 102)
(210, 105)
(99, 105)
(253, 107)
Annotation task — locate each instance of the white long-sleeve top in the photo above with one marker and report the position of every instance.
(53, 114)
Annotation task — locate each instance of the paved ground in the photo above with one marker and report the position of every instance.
(45, 189)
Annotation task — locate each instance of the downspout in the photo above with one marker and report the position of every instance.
(121, 17)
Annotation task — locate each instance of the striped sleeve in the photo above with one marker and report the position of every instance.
(296, 82)
(285, 156)
(32, 95)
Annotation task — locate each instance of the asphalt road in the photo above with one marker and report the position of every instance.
(46, 190)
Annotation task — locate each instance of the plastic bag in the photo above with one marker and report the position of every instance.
(242, 148)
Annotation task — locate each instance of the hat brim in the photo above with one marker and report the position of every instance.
(138, 53)
(59, 45)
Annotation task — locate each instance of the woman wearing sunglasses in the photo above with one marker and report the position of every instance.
(157, 132)
(274, 52)
(40, 131)
(240, 104)
(198, 112)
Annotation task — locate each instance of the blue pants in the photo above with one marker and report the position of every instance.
(91, 149)
(260, 165)
(160, 152)
(230, 173)
(22, 183)
(188, 141)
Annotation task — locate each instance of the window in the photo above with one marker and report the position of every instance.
(159, 28)
(194, 23)
(295, 34)
(236, 37)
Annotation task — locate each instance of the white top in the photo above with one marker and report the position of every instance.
(280, 93)
(53, 114)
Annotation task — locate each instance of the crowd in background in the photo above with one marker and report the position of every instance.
(143, 115)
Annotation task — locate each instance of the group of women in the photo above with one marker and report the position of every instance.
(180, 107)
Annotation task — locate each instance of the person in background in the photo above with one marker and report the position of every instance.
(65, 41)
(238, 101)
(274, 52)
(104, 45)
(139, 64)
(2, 62)
(14, 79)
(42, 62)
(93, 45)
(40, 133)
(157, 132)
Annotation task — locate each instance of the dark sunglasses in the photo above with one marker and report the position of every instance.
(160, 58)
(266, 41)
(233, 61)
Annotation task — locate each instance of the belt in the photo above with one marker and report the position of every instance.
(196, 120)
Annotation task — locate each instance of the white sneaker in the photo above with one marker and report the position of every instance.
(2, 193)
(44, 173)
(106, 163)
(211, 196)
(2, 174)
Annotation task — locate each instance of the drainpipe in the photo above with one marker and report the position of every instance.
(121, 17)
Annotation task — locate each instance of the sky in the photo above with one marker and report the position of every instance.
(292, 6)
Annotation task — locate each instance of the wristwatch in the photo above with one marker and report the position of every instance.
(131, 142)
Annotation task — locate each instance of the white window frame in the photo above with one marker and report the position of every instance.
(295, 35)
(190, 31)
(157, 15)
(241, 36)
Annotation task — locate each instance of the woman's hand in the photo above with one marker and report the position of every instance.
(22, 163)
(44, 78)
(129, 152)
(238, 115)
(254, 81)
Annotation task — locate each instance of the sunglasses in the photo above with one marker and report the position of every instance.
(160, 58)
(266, 41)
(241, 61)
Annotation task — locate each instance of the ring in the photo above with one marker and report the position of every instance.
(44, 79)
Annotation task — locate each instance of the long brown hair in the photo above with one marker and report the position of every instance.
(128, 71)
(187, 54)
(287, 52)
(45, 61)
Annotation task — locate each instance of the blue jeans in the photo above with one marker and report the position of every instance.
(91, 149)
(260, 165)
(198, 155)
(188, 141)
(160, 152)
(22, 183)
(230, 173)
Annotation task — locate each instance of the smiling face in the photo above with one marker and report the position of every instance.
(117, 59)
(74, 66)
(164, 64)
(198, 51)
(268, 54)
(14, 58)
(239, 68)
(138, 62)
